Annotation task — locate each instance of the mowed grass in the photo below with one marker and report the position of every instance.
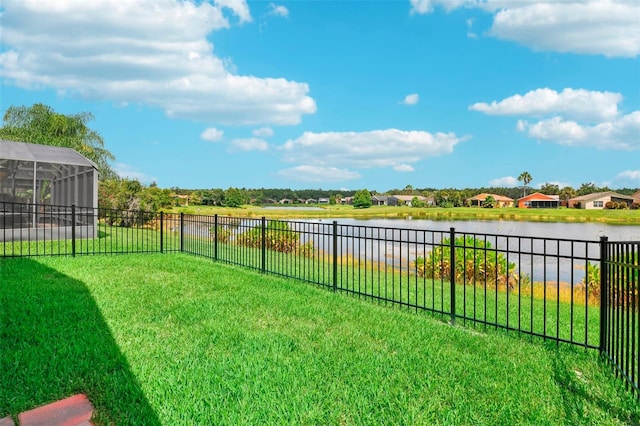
(177, 339)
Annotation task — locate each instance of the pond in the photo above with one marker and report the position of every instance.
(545, 260)
(547, 252)
(575, 231)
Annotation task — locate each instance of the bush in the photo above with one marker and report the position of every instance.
(475, 263)
(223, 233)
(627, 296)
(278, 236)
(416, 202)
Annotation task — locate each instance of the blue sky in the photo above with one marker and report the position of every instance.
(337, 94)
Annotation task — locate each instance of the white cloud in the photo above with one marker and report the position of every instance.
(212, 134)
(470, 33)
(143, 51)
(403, 168)
(570, 103)
(632, 175)
(278, 10)
(607, 27)
(129, 172)
(249, 144)
(309, 173)
(411, 99)
(620, 134)
(263, 132)
(504, 182)
(421, 7)
(573, 117)
(239, 8)
(625, 179)
(377, 148)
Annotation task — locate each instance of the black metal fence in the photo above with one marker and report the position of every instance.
(582, 292)
(620, 323)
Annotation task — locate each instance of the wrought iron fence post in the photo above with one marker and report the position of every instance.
(604, 294)
(73, 230)
(335, 255)
(215, 237)
(452, 272)
(161, 232)
(264, 244)
(181, 231)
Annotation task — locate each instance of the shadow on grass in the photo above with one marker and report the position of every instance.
(54, 343)
(574, 389)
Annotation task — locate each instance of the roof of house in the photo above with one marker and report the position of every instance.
(483, 196)
(636, 195)
(598, 195)
(540, 196)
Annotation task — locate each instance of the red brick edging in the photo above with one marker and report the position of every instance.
(73, 411)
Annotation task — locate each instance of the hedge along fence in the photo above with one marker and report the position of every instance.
(545, 287)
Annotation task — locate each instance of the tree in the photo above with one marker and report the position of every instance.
(489, 202)
(233, 197)
(550, 189)
(587, 188)
(567, 193)
(362, 199)
(525, 178)
(40, 124)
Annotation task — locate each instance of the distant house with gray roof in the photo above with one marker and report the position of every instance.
(599, 200)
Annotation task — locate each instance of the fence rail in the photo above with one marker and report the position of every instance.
(581, 292)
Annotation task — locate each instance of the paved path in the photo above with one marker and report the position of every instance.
(73, 411)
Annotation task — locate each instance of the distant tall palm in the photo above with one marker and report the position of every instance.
(525, 178)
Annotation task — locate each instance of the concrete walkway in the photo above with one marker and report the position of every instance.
(73, 411)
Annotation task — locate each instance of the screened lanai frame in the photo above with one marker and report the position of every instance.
(39, 184)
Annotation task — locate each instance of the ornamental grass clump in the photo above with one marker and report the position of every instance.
(476, 263)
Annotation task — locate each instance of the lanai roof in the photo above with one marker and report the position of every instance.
(22, 151)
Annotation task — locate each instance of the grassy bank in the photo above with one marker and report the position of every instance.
(620, 217)
(173, 339)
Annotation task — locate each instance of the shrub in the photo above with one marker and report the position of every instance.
(623, 295)
(278, 236)
(223, 233)
(475, 263)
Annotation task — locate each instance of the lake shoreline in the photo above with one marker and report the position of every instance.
(562, 215)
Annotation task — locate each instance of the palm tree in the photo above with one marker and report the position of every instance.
(525, 178)
(567, 193)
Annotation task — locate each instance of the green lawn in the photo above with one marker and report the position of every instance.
(176, 339)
